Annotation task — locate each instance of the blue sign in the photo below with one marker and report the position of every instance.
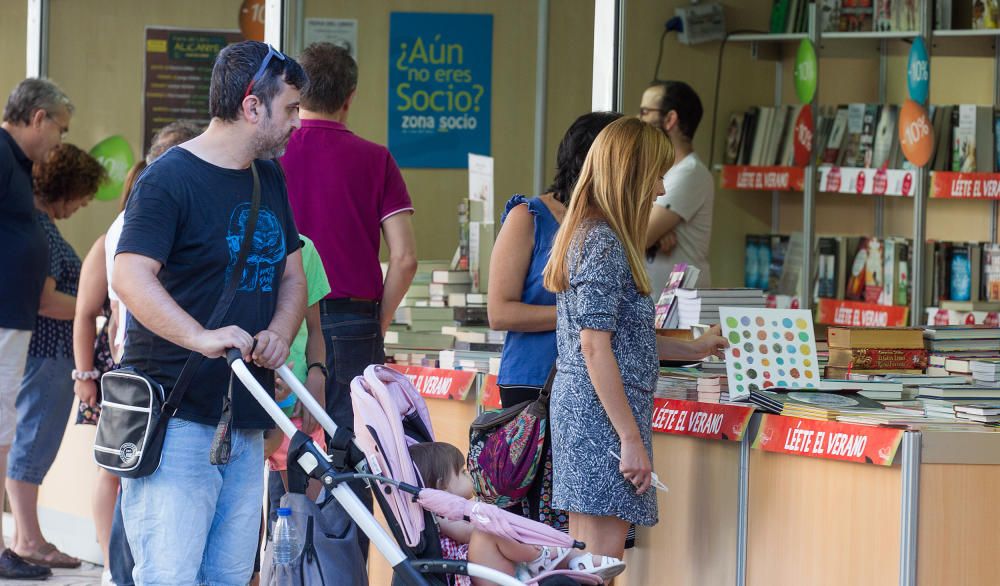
(440, 69)
(918, 71)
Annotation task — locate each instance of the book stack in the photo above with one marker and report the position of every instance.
(910, 383)
(940, 400)
(701, 306)
(467, 300)
(958, 340)
(667, 315)
(445, 283)
(418, 295)
(678, 383)
(956, 364)
(879, 390)
(476, 347)
(713, 389)
(482, 362)
(979, 412)
(813, 404)
(875, 351)
(415, 338)
(985, 370)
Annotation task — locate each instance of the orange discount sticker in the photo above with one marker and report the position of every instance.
(252, 20)
(916, 135)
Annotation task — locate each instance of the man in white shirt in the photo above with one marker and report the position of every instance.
(680, 223)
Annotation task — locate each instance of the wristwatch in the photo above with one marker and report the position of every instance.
(85, 374)
(321, 367)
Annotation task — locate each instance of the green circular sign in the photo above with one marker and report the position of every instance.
(806, 70)
(115, 155)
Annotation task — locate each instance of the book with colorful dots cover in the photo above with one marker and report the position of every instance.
(769, 348)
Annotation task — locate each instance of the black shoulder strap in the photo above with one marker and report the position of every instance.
(546, 391)
(222, 306)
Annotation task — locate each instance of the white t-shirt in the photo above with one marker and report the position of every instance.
(110, 247)
(690, 193)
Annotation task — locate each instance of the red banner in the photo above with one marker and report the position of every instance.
(704, 420)
(827, 439)
(836, 312)
(490, 395)
(438, 383)
(762, 178)
(948, 185)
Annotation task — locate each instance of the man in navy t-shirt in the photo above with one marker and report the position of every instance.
(36, 116)
(192, 522)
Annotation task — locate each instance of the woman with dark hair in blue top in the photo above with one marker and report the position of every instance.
(519, 304)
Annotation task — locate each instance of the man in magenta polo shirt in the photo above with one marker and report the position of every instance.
(345, 193)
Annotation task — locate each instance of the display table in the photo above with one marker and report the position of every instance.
(697, 453)
(925, 513)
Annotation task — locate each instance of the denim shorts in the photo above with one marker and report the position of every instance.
(191, 522)
(13, 353)
(43, 406)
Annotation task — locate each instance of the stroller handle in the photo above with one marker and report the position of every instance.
(232, 355)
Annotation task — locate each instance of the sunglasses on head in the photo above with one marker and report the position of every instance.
(271, 52)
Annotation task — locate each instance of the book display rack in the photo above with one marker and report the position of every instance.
(751, 166)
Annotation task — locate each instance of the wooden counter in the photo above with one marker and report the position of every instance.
(820, 522)
(695, 542)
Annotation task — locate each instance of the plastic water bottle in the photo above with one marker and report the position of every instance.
(286, 540)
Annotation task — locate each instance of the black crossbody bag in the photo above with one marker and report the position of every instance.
(134, 407)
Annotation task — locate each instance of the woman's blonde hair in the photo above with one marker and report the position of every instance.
(617, 183)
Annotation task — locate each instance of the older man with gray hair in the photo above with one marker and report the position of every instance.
(35, 119)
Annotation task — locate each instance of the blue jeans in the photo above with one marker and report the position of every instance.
(43, 405)
(353, 342)
(191, 522)
(120, 562)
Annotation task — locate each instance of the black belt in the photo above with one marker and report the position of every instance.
(349, 305)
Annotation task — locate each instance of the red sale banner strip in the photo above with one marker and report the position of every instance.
(762, 178)
(836, 312)
(827, 439)
(490, 395)
(704, 420)
(438, 383)
(948, 185)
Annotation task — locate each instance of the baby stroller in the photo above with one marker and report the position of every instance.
(415, 559)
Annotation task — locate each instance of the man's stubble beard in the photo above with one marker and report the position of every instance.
(270, 143)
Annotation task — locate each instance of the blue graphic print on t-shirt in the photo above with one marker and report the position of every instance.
(267, 253)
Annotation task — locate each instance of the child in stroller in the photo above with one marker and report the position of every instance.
(390, 417)
(442, 466)
(379, 454)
